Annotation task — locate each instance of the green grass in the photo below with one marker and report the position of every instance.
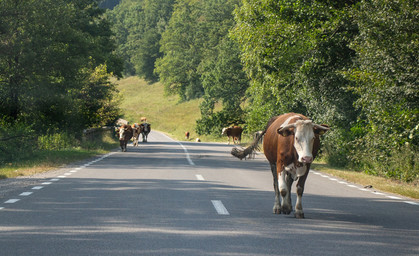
(46, 160)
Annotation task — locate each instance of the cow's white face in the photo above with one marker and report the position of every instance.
(304, 140)
(121, 133)
(304, 135)
(224, 131)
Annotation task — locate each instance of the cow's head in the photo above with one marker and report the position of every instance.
(304, 132)
(224, 131)
(122, 130)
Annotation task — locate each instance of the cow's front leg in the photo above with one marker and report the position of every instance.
(288, 180)
(286, 206)
(277, 205)
(299, 214)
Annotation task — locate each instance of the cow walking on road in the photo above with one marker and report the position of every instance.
(145, 130)
(234, 132)
(291, 142)
(125, 134)
(136, 131)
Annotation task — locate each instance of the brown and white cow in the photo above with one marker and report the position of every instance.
(291, 142)
(125, 134)
(136, 131)
(234, 132)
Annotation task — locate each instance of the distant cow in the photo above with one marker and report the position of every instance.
(234, 132)
(143, 119)
(145, 130)
(291, 142)
(125, 134)
(121, 121)
(187, 135)
(136, 131)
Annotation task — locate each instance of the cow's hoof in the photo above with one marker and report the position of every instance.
(299, 215)
(286, 210)
(277, 209)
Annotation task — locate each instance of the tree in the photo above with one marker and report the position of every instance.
(295, 53)
(45, 46)
(224, 81)
(138, 28)
(386, 80)
(193, 33)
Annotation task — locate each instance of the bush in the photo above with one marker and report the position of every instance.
(57, 141)
(17, 141)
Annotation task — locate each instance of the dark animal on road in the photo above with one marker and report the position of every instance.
(291, 142)
(145, 130)
(234, 132)
(136, 131)
(125, 134)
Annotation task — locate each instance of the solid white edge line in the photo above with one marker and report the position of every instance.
(184, 149)
(410, 202)
(219, 207)
(394, 197)
(363, 189)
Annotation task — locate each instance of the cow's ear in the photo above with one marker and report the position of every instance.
(285, 131)
(321, 129)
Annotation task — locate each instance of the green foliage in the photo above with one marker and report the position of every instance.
(295, 53)
(16, 141)
(138, 26)
(56, 141)
(190, 43)
(46, 49)
(385, 78)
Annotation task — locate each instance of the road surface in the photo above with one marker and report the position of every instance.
(185, 198)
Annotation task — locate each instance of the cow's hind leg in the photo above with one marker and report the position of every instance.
(277, 205)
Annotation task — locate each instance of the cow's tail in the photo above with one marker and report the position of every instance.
(243, 153)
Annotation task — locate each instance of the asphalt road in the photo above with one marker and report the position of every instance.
(185, 198)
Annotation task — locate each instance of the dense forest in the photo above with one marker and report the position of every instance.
(351, 64)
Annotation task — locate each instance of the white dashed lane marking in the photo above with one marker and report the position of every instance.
(12, 201)
(199, 177)
(363, 189)
(65, 175)
(219, 207)
(26, 194)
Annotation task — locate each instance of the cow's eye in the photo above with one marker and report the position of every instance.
(297, 139)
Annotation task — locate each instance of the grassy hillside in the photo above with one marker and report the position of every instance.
(163, 112)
